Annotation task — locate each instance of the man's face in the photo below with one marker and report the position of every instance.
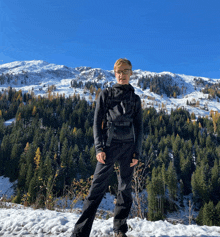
(123, 73)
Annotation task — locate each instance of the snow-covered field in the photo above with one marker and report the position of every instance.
(17, 220)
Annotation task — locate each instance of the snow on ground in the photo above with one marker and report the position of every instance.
(6, 187)
(9, 122)
(17, 220)
(29, 222)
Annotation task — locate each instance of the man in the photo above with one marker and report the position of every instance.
(118, 132)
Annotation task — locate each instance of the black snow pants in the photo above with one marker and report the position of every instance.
(122, 153)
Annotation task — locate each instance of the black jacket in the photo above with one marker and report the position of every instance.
(120, 111)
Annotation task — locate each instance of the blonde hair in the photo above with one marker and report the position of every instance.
(120, 61)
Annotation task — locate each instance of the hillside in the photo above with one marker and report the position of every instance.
(163, 90)
(49, 150)
(26, 221)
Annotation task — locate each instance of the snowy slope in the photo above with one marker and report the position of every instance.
(17, 220)
(36, 76)
(6, 188)
(29, 222)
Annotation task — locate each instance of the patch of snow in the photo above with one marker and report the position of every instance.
(6, 187)
(9, 122)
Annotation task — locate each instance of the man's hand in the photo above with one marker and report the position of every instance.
(101, 156)
(134, 162)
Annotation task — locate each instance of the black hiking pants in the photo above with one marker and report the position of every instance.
(122, 153)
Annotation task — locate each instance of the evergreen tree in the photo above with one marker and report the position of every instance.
(32, 192)
(64, 154)
(75, 156)
(47, 141)
(208, 214)
(215, 182)
(29, 176)
(217, 209)
(71, 171)
(6, 147)
(171, 183)
(166, 157)
(22, 177)
(89, 136)
(209, 143)
(176, 155)
(157, 192)
(199, 218)
(48, 168)
(64, 132)
(199, 185)
(152, 203)
(82, 166)
(30, 154)
(164, 177)
(87, 160)
(80, 139)
(14, 161)
(186, 171)
(53, 147)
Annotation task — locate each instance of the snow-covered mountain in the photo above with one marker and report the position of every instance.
(155, 89)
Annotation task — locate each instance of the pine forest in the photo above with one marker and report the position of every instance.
(49, 150)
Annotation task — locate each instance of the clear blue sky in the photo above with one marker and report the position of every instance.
(180, 36)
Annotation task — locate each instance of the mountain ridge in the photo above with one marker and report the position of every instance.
(165, 90)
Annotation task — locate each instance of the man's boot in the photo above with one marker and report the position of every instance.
(120, 234)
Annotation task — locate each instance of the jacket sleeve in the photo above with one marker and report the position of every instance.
(138, 128)
(97, 125)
